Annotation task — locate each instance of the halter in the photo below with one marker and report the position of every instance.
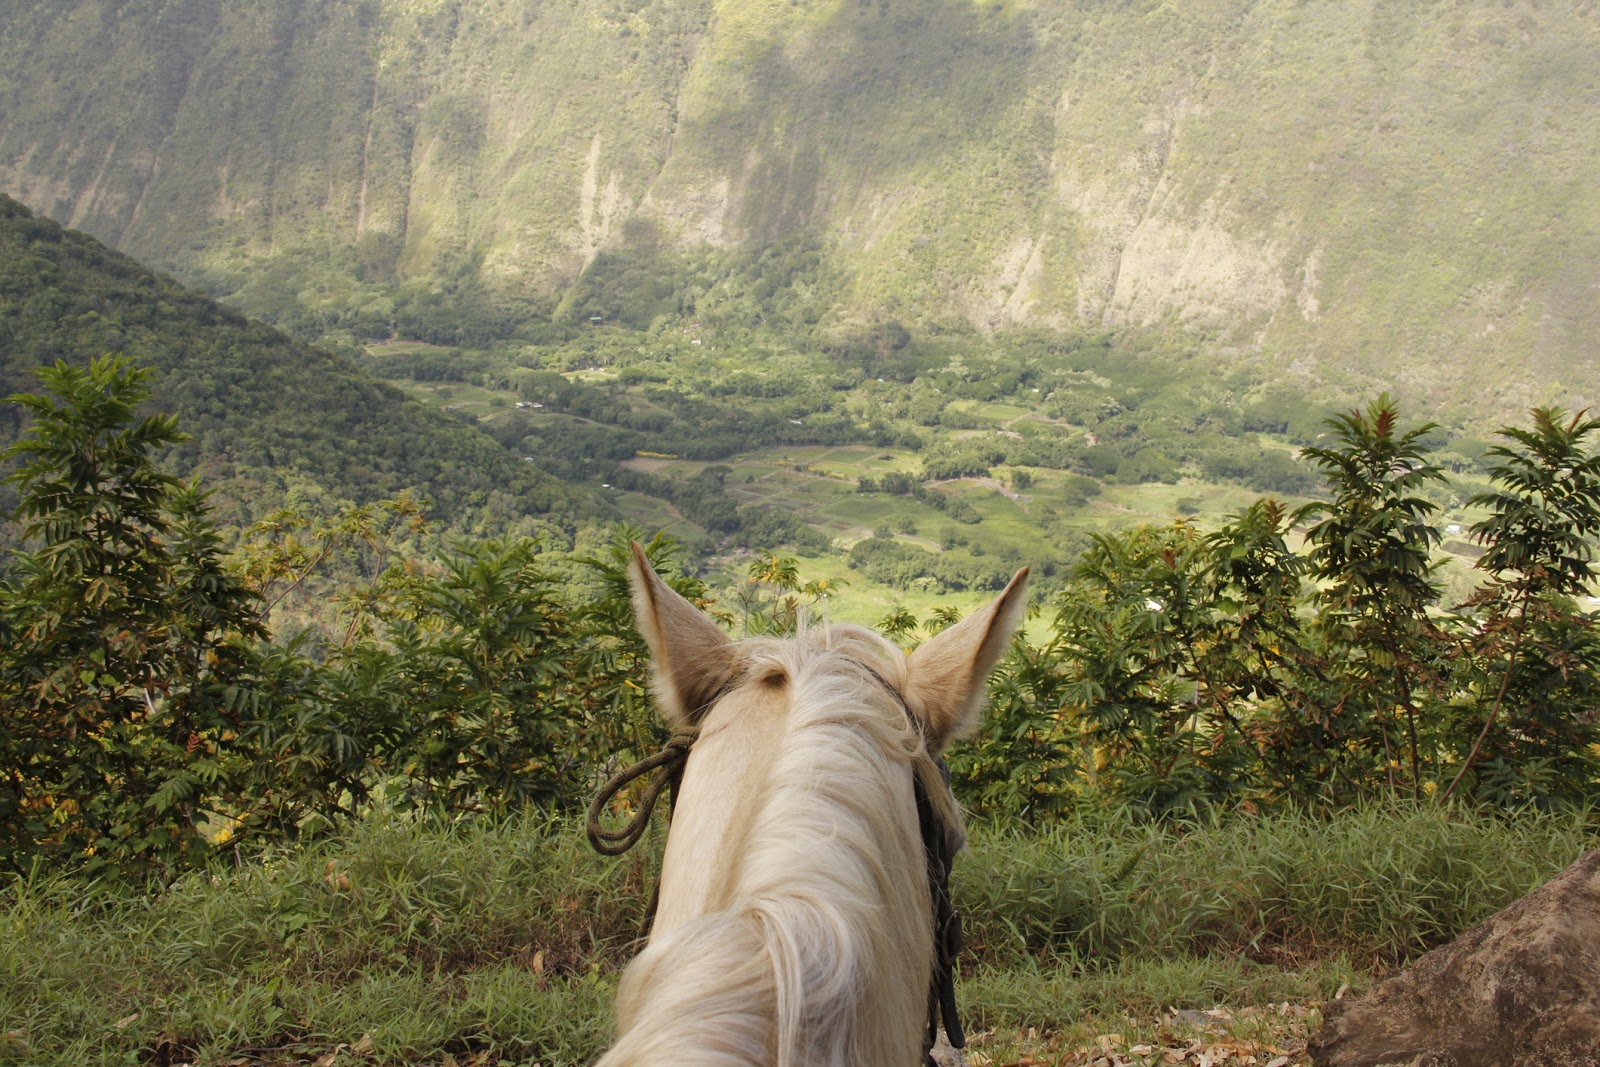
(935, 846)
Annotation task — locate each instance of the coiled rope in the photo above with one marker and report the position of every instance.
(615, 842)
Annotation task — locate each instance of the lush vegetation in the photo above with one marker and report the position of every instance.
(402, 940)
(1383, 198)
(732, 438)
(148, 723)
(268, 419)
(151, 722)
(1190, 669)
(921, 472)
(358, 835)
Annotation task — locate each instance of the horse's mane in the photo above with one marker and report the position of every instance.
(831, 890)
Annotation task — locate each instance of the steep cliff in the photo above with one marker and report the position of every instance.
(1399, 191)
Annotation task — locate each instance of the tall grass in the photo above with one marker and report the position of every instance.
(412, 942)
(502, 938)
(1380, 883)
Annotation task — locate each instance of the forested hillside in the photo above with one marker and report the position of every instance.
(271, 418)
(1358, 192)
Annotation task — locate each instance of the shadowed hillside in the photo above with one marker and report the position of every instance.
(268, 414)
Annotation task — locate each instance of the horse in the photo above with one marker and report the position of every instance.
(794, 923)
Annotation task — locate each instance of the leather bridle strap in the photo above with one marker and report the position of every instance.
(946, 922)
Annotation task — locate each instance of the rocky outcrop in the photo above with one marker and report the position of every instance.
(1519, 990)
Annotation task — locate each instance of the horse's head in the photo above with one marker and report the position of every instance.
(941, 683)
(796, 918)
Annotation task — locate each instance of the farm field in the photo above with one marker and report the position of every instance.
(1002, 516)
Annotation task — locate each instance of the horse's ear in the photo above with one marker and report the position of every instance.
(947, 672)
(693, 658)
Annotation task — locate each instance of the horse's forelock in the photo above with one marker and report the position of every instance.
(849, 670)
(841, 662)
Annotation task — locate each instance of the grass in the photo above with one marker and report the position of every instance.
(1384, 883)
(406, 943)
(421, 941)
(463, 397)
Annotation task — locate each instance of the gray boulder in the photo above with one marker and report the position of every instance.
(1521, 989)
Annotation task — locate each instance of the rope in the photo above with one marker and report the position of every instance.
(616, 842)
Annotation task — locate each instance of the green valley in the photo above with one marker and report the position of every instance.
(918, 472)
(925, 486)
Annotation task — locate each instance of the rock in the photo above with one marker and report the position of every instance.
(1521, 989)
(945, 1055)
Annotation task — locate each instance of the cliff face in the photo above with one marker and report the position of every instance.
(1345, 185)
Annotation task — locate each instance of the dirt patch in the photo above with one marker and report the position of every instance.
(1271, 1036)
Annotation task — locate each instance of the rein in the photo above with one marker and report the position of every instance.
(616, 842)
(935, 847)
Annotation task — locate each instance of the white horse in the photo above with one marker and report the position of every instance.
(795, 922)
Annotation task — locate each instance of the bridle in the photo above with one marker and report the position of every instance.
(936, 846)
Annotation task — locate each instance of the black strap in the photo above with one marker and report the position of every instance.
(946, 923)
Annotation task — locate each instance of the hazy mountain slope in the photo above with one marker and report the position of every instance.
(269, 415)
(423, 138)
(1348, 186)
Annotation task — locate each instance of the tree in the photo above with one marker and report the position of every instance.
(779, 611)
(1372, 553)
(1253, 662)
(898, 625)
(124, 633)
(1544, 511)
(1130, 623)
(486, 653)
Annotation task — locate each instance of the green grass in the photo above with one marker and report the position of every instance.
(486, 938)
(652, 514)
(410, 943)
(407, 348)
(473, 400)
(1387, 883)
